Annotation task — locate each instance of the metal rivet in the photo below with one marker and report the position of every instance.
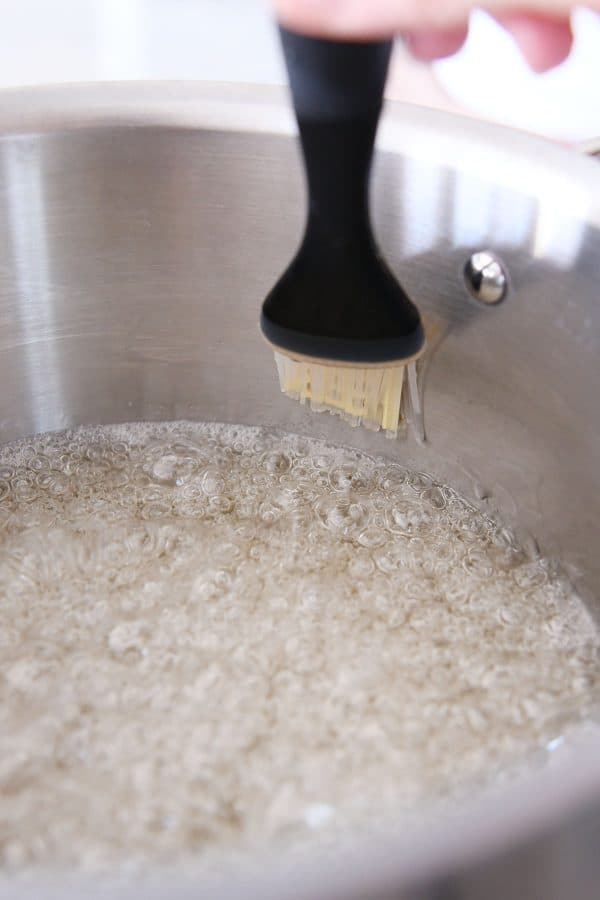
(485, 277)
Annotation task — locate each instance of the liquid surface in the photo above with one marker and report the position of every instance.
(219, 636)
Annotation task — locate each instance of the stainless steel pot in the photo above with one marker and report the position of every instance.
(140, 226)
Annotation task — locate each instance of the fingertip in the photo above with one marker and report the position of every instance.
(305, 17)
(350, 19)
(430, 45)
(545, 43)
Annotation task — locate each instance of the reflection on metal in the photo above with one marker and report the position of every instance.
(485, 278)
(26, 249)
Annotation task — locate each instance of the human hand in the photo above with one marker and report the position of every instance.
(437, 28)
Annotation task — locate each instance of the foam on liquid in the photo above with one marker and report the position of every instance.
(217, 636)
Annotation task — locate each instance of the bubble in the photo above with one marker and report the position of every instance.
(342, 515)
(346, 478)
(220, 504)
(393, 478)
(172, 468)
(530, 576)
(270, 512)
(39, 463)
(95, 452)
(258, 550)
(391, 559)
(213, 483)
(479, 563)
(469, 528)
(121, 449)
(56, 484)
(23, 488)
(419, 481)
(435, 497)
(406, 516)
(276, 462)
(509, 615)
(372, 537)
(443, 551)
(87, 472)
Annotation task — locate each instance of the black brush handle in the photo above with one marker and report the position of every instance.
(337, 89)
(337, 300)
(335, 79)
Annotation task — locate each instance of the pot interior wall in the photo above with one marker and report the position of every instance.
(133, 260)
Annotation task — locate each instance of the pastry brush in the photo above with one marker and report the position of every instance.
(345, 334)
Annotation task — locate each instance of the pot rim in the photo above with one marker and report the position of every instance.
(558, 174)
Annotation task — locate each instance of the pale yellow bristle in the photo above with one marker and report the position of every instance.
(367, 396)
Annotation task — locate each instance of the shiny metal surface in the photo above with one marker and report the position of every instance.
(485, 277)
(140, 228)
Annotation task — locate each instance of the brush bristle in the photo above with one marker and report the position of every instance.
(370, 396)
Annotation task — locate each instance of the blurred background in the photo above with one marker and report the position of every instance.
(50, 41)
